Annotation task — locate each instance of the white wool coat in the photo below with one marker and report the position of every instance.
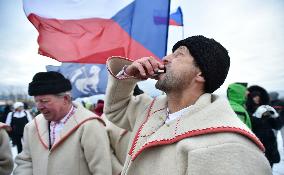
(6, 158)
(82, 149)
(208, 139)
(119, 141)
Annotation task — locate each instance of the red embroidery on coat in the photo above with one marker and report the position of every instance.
(40, 139)
(71, 131)
(158, 110)
(54, 124)
(201, 132)
(176, 128)
(140, 128)
(68, 134)
(188, 134)
(107, 66)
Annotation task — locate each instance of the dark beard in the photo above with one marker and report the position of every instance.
(169, 83)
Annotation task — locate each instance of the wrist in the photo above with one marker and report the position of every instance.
(124, 71)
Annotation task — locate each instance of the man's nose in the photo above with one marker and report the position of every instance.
(166, 59)
(39, 106)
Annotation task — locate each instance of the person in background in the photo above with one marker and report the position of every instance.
(99, 107)
(265, 120)
(256, 97)
(7, 109)
(236, 94)
(6, 158)
(278, 105)
(65, 138)
(18, 119)
(187, 130)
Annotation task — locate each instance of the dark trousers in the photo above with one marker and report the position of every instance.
(18, 142)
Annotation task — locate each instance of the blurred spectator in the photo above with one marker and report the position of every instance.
(17, 120)
(278, 105)
(256, 97)
(6, 158)
(99, 107)
(264, 120)
(6, 111)
(236, 94)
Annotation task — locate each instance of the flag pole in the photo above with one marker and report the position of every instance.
(168, 24)
(182, 23)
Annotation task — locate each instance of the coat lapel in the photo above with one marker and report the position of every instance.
(79, 117)
(207, 115)
(70, 126)
(42, 130)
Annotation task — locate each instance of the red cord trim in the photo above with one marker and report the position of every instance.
(123, 58)
(140, 128)
(40, 139)
(201, 132)
(71, 131)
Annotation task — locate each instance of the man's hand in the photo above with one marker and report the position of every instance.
(144, 68)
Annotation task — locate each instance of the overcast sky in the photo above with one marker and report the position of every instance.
(251, 30)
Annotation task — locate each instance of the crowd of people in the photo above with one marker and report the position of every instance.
(186, 130)
(262, 112)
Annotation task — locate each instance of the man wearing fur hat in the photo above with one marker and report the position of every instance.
(188, 130)
(65, 138)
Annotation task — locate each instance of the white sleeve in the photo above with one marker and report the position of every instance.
(29, 116)
(9, 119)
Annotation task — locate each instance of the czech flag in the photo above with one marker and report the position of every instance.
(176, 18)
(90, 31)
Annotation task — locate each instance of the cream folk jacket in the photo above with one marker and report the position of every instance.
(6, 158)
(208, 139)
(83, 147)
(119, 142)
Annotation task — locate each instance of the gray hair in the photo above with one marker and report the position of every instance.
(61, 94)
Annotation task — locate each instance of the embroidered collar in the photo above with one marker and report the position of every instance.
(64, 119)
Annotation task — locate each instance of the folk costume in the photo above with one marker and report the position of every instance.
(206, 138)
(77, 144)
(6, 158)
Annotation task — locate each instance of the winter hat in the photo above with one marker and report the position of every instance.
(260, 91)
(44, 83)
(273, 96)
(211, 57)
(18, 104)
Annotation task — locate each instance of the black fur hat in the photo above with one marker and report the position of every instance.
(44, 83)
(211, 57)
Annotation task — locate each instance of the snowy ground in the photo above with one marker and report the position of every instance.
(278, 169)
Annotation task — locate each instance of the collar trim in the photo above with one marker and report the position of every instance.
(67, 135)
(198, 132)
(187, 134)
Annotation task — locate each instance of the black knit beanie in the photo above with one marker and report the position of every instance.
(211, 57)
(44, 83)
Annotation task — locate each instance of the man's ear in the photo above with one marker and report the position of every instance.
(67, 98)
(200, 77)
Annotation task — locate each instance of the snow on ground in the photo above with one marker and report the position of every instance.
(278, 169)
